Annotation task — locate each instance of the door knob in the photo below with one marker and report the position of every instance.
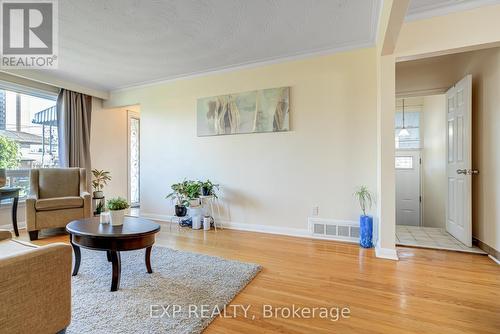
(462, 171)
(473, 172)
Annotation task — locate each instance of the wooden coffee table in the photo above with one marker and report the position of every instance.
(135, 233)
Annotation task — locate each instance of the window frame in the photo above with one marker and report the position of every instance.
(30, 91)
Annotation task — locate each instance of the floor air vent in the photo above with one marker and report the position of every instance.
(334, 229)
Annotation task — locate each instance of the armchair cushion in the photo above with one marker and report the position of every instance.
(58, 182)
(12, 247)
(58, 203)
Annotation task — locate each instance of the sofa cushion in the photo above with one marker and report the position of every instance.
(58, 203)
(58, 182)
(13, 247)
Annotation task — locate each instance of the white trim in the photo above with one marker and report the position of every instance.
(446, 8)
(288, 231)
(248, 65)
(375, 20)
(386, 253)
(494, 259)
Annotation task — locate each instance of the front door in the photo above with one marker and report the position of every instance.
(459, 161)
(408, 187)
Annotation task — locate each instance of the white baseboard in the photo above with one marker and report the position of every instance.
(386, 253)
(383, 253)
(494, 259)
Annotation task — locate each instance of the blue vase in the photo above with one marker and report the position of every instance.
(365, 231)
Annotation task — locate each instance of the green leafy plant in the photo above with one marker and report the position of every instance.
(117, 203)
(365, 198)
(178, 193)
(101, 178)
(192, 190)
(9, 153)
(208, 188)
(185, 191)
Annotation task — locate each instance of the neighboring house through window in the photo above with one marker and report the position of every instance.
(28, 125)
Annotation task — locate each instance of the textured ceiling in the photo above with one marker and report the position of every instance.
(419, 9)
(119, 43)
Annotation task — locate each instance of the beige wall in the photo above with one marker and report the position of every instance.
(484, 65)
(108, 146)
(271, 179)
(433, 128)
(456, 32)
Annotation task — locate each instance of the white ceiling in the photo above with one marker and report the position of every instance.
(113, 44)
(420, 9)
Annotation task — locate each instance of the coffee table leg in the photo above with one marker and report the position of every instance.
(78, 258)
(108, 255)
(14, 215)
(115, 259)
(148, 260)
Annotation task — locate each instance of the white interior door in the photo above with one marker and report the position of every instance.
(459, 161)
(408, 198)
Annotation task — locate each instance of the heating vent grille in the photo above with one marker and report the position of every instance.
(334, 229)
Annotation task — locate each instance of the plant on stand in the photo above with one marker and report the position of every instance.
(209, 189)
(192, 193)
(100, 179)
(117, 207)
(365, 199)
(178, 195)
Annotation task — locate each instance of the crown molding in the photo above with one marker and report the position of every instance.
(446, 8)
(248, 65)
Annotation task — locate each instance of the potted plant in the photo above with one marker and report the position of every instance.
(101, 178)
(178, 195)
(365, 199)
(117, 207)
(208, 188)
(192, 193)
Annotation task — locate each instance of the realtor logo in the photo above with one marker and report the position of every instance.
(29, 34)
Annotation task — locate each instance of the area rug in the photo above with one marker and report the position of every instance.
(170, 300)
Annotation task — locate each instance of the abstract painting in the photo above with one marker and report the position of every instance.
(265, 110)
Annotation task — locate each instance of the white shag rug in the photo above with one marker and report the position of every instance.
(145, 303)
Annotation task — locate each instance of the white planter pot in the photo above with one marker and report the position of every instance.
(117, 217)
(194, 202)
(98, 194)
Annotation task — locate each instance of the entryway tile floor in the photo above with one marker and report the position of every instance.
(431, 237)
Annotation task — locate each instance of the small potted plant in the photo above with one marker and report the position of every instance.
(178, 195)
(365, 199)
(209, 189)
(117, 207)
(101, 178)
(192, 193)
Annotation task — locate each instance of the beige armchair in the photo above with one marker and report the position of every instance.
(57, 196)
(35, 294)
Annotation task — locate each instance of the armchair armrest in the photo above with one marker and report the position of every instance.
(87, 204)
(36, 288)
(4, 234)
(31, 212)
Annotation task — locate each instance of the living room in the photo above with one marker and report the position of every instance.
(205, 166)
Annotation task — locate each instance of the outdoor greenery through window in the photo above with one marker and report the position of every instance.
(28, 135)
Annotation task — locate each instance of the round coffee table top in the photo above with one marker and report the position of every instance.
(132, 227)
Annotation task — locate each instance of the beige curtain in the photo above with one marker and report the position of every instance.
(73, 117)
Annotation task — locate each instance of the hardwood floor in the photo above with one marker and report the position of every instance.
(427, 291)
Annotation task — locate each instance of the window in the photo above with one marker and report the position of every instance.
(404, 162)
(28, 133)
(412, 124)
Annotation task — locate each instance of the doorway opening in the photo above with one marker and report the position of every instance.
(441, 163)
